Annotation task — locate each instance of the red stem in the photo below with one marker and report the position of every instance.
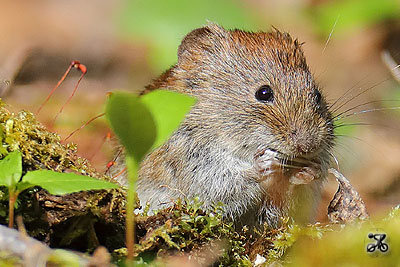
(120, 173)
(84, 125)
(12, 198)
(55, 87)
(106, 138)
(83, 69)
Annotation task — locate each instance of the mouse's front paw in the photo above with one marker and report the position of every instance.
(305, 175)
(267, 164)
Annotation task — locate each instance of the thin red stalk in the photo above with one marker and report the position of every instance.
(83, 69)
(55, 87)
(83, 125)
(118, 174)
(114, 161)
(105, 139)
(11, 202)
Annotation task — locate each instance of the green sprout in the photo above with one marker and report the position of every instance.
(143, 123)
(55, 183)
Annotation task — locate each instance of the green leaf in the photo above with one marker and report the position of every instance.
(11, 169)
(64, 183)
(145, 122)
(132, 122)
(168, 109)
(21, 186)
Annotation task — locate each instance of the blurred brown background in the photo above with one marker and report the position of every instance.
(125, 44)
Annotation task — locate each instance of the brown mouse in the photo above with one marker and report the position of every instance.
(258, 139)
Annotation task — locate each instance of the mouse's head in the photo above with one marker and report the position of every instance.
(254, 89)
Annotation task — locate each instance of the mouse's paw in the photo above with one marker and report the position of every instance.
(305, 175)
(267, 163)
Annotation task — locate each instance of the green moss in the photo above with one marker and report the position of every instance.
(185, 229)
(41, 149)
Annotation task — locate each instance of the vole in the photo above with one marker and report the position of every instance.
(259, 138)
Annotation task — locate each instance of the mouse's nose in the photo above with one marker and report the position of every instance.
(302, 148)
(303, 142)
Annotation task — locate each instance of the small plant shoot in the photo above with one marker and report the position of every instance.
(54, 182)
(143, 123)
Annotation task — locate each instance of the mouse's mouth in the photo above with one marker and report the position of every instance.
(298, 170)
(287, 161)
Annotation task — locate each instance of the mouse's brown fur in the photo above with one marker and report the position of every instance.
(261, 159)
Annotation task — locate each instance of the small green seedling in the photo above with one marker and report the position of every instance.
(143, 123)
(54, 182)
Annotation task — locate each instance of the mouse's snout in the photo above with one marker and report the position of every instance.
(302, 141)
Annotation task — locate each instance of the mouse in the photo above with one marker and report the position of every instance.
(259, 139)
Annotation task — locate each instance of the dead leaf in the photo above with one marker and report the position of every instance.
(347, 205)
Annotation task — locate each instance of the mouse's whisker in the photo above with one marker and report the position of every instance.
(352, 124)
(363, 124)
(329, 151)
(291, 166)
(346, 101)
(369, 110)
(295, 163)
(283, 164)
(338, 116)
(346, 94)
(345, 147)
(336, 161)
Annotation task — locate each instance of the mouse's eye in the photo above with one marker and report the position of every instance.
(318, 97)
(265, 93)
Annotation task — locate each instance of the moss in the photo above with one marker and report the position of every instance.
(185, 229)
(41, 149)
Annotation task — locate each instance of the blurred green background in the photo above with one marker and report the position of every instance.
(126, 44)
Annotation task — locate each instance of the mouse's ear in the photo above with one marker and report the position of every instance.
(200, 40)
(191, 55)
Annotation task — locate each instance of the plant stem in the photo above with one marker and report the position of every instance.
(11, 201)
(132, 166)
(130, 223)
